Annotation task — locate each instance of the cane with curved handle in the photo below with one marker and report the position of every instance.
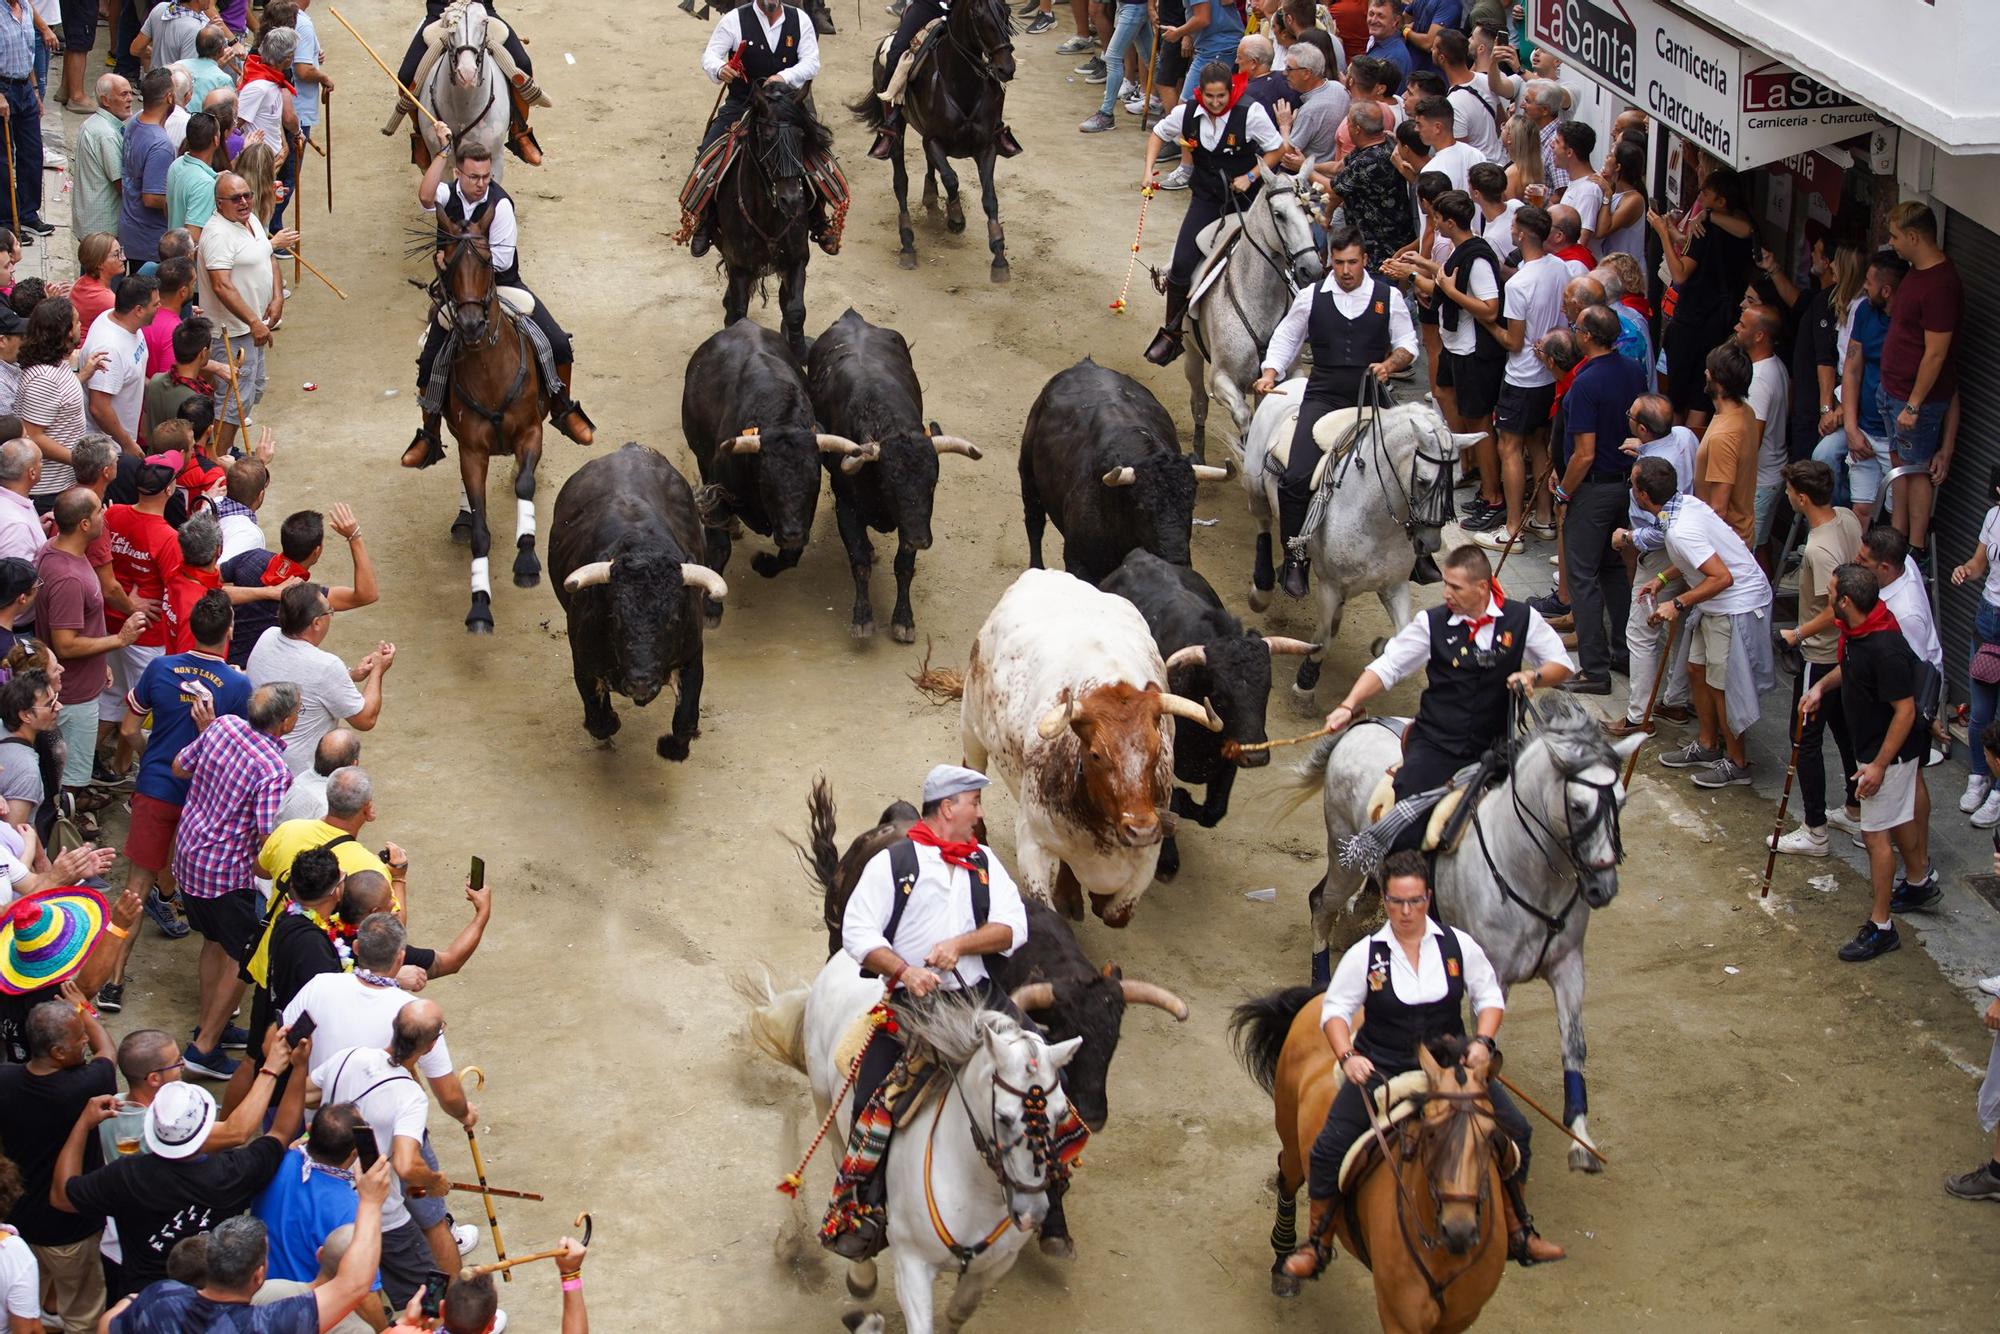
(501, 1268)
(479, 1167)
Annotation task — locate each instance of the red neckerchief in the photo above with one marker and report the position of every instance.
(254, 69)
(199, 383)
(954, 854)
(1638, 303)
(1579, 254)
(1497, 601)
(1873, 623)
(281, 569)
(1562, 387)
(211, 578)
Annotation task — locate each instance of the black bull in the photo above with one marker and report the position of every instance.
(1209, 656)
(623, 558)
(864, 387)
(1101, 458)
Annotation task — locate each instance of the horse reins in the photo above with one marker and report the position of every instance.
(497, 315)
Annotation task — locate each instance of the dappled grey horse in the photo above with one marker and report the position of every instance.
(1233, 313)
(1386, 486)
(466, 89)
(1541, 851)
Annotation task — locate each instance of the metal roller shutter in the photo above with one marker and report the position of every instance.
(1964, 498)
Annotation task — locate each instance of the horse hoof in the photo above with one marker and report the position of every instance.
(1375, 648)
(1260, 598)
(861, 631)
(530, 579)
(1001, 273)
(906, 259)
(478, 627)
(1308, 677)
(711, 617)
(1058, 1248)
(671, 747)
(461, 528)
(954, 220)
(1581, 1161)
(901, 633)
(1283, 1284)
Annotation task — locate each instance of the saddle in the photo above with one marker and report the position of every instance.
(519, 302)
(899, 77)
(1334, 433)
(511, 298)
(1441, 833)
(699, 191)
(1395, 1102)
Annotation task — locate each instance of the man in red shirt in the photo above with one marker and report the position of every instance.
(1920, 367)
(200, 571)
(145, 553)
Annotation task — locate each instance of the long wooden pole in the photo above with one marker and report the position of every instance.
(494, 1190)
(326, 120)
(383, 65)
(1784, 800)
(315, 273)
(1584, 1144)
(582, 1221)
(235, 392)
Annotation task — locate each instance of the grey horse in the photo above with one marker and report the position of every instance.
(1234, 316)
(466, 89)
(1540, 853)
(1364, 541)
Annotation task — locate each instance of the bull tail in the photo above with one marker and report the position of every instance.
(777, 1020)
(1308, 777)
(819, 855)
(1258, 1028)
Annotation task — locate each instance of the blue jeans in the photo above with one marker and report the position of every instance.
(27, 133)
(288, 176)
(1211, 45)
(1985, 630)
(41, 68)
(1920, 443)
(1130, 30)
(1856, 481)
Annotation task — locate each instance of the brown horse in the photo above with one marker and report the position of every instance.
(1433, 1226)
(494, 406)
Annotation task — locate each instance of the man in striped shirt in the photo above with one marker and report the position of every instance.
(237, 779)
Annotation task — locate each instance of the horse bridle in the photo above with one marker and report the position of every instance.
(1424, 504)
(978, 56)
(1288, 269)
(1034, 1136)
(440, 286)
(451, 53)
(787, 148)
(1421, 1243)
(442, 294)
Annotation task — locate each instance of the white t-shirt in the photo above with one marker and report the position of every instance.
(262, 103)
(245, 251)
(389, 1099)
(124, 375)
(348, 1012)
(1472, 120)
(306, 800)
(1989, 537)
(1696, 533)
(1535, 297)
(49, 12)
(1770, 393)
(1482, 287)
(1586, 196)
(1910, 603)
(327, 694)
(1454, 162)
(1499, 230)
(240, 533)
(20, 1278)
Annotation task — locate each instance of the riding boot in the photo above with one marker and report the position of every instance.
(699, 240)
(888, 139)
(1291, 521)
(1005, 144)
(1425, 570)
(1316, 1251)
(1525, 1246)
(565, 412)
(1166, 345)
(426, 448)
(521, 141)
(528, 91)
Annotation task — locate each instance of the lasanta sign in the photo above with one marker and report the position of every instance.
(1739, 103)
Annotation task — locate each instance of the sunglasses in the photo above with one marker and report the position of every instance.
(243, 198)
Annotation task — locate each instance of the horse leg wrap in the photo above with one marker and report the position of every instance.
(1575, 1103)
(1285, 1232)
(482, 581)
(1264, 575)
(524, 519)
(1322, 969)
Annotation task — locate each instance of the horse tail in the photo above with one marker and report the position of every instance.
(869, 109)
(1308, 777)
(777, 1019)
(1258, 1028)
(819, 856)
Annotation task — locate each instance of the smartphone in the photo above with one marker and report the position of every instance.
(366, 1151)
(433, 1299)
(479, 873)
(302, 1030)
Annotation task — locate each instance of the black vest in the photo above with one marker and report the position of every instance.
(1232, 156)
(1474, 250)
(1394, 1026)
(760, 62)
(1464, 705)
(461, 216)
(1343, 348)
(903, 870)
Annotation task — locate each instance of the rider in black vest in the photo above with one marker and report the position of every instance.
(1377, 340)
(1230, 137)
(916, 15)
(1405, 1002)
(1477, 647)
(450, 202)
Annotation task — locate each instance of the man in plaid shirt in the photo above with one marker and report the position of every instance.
(237, 779)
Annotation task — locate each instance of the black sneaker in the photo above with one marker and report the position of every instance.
(104, 776)
(38, 227)
(1582, 684)
(1483, 518)
(111, 997)
(166, 916)
(1870, 942)
(1040, 24)
(234, 1038)
(1978, 1184)
(1550, 605)
(1909, 897)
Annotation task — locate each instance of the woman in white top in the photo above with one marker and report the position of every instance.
(50, 401)
(1985, 565)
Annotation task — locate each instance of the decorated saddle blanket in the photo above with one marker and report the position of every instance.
(440, 381)
(1397, 1102)
(713, 166)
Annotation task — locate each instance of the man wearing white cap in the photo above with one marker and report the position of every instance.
(922, 917)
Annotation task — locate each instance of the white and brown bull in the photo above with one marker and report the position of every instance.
(1065, 695)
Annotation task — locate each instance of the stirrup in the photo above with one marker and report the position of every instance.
(1005, 144)
(886, 143)
(1165, 349)
(433, 449)
(584, 431)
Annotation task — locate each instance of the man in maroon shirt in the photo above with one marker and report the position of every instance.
(1920, 367)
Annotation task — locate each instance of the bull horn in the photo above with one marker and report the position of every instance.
(1121, 477)
(951, 444)
(1208, 472)
(707, 580)
(1145, 993)
(747, 443)
(854, 463)
(1182, 707)
(588, 576)
(840, 444)
(1194, 655)
(1281, 646)
(1033, 996)
(1055, 721)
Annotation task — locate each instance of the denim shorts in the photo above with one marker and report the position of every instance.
(1864, 476)
(1769, 498)
(1920, 443)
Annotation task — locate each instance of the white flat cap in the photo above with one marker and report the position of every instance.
(948, 780)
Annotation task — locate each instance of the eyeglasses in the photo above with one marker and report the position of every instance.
(1407, 905)
(163, 1069)
(242, 198)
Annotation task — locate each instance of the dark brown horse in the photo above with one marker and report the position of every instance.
(954, 101)
(494, 406)
(766, 208)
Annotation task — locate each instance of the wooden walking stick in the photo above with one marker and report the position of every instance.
(479, 1167)
(384, 67)
(298, 217)
(1146, 93)
(326, 119)
(13, 202)
(1653, 699)
(1582, 1143)
(493, 1190)
(1527, 515)
(235, 388)
(1784, 799)
(301, 259)
(582, 1221)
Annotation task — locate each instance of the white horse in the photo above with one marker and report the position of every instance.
(1386, 489)
(941, 1191)
(1233, 313)
(1542, 852)
(466, 88)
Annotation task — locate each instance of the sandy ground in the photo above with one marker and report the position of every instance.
(1778, 1122)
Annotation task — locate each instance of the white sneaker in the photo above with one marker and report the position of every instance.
(467, 1236)
(1127, 90)
(499, 1325)
(1805, 841)
(1976, 791)
(1496, 539)
(1990, 985)
(1988, 814)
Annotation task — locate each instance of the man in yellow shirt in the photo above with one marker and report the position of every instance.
(350, 805)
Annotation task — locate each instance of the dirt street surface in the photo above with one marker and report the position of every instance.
(1778, 1122)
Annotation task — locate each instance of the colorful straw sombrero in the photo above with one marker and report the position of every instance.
(45, 936)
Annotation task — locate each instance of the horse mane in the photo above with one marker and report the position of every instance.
(953, 1024)
(1008, 22)
(1568, 728)
(789, 111)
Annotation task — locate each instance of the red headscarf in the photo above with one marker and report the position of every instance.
(954, 854)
